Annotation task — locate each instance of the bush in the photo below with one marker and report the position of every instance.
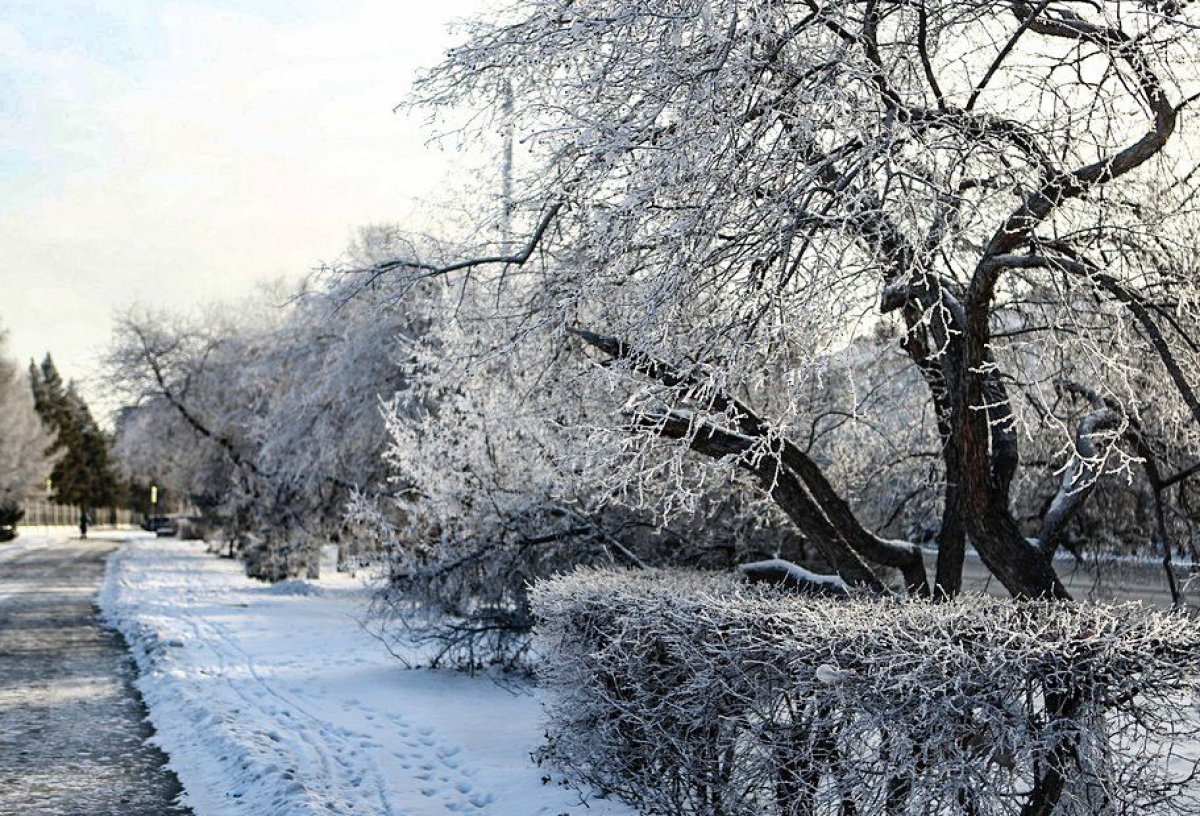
(694, 694)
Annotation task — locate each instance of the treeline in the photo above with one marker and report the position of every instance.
(474, 453)
(266, 413)
(25, 442)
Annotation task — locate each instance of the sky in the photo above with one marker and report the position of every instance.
(178, 153)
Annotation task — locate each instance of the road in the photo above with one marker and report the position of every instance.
(72, 728)
(1114, 582)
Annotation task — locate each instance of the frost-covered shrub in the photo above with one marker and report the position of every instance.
(694, 694)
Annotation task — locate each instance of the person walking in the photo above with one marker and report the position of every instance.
(83, 523)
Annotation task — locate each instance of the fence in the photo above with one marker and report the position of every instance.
(40, 512)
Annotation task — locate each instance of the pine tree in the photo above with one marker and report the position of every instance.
(83, 474)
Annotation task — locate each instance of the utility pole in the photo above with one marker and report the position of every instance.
(506, 168)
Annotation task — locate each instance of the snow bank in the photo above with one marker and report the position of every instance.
(272, 701)
(294, 586)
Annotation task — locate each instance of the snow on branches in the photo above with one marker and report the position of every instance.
(24, 441)
(491, 489)
(745, 190)
(700, 694)
(267, 413)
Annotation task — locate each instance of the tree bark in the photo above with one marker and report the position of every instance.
(789, 475)
(784, 487)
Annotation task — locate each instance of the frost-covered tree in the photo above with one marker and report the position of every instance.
(267, 412)
(185, 416)
(25, 458)
(718, 195)
(330, 364)
(491, 489)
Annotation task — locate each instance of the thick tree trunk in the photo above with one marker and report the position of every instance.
(787, 473)
(1019, 564)
(784, 487)
(952, 537)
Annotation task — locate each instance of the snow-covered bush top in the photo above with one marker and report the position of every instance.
(699, 694)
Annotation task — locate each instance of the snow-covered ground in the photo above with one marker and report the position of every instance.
(31, 538)
(273, 700)
(23, 544)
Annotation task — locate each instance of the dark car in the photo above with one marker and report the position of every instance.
(161, 525)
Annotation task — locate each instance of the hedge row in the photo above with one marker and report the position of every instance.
(699, 694)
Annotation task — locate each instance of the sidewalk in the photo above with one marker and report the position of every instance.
(272, 699)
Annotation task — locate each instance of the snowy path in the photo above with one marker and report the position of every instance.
(272, 700)
(72, 730)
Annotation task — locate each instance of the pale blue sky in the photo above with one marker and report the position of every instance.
(179, 152)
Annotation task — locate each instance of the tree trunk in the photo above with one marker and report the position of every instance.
(1021, 566)
(952, 537)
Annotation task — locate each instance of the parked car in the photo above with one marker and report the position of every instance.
(161, 525)
(10, 514)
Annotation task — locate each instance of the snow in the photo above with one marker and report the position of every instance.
(274, 700)
(45, 535)
(23, 544)
(796, 572)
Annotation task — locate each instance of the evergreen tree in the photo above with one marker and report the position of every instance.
(83, 474)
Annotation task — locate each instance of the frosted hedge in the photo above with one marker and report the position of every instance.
(695, 694)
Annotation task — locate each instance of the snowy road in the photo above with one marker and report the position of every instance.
(1116, 582)
(72, 730)
(273, 700)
